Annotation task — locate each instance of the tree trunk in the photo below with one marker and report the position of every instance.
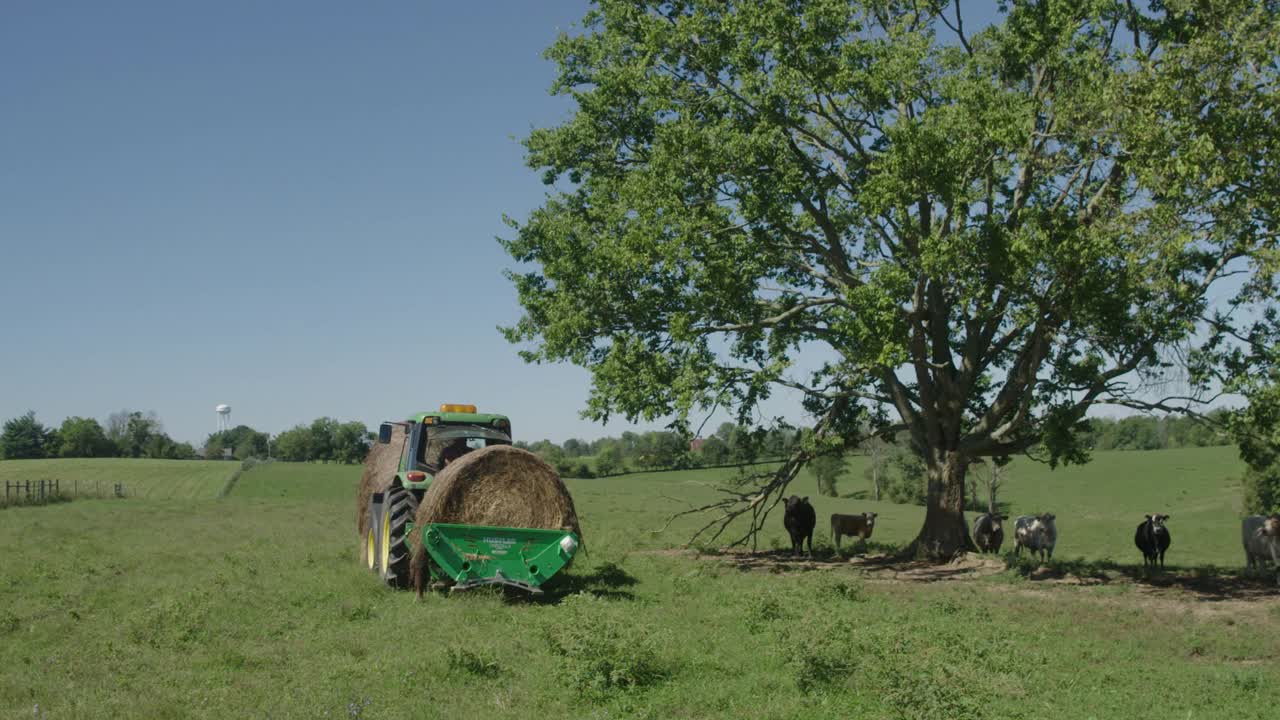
(945, 533)
(993, 483)
(875, 479)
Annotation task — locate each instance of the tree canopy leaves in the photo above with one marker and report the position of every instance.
(980, 233)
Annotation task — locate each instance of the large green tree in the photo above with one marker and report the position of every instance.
(84, 437)
(1258, 433)
(131, 431)
(25, 438)
(324, 439)
(350, 442)
(979, 233)
(244, 441)
(294, 444)
(1256, 427)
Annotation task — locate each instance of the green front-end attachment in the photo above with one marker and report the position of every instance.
(476, 555)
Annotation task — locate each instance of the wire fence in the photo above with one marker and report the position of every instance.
(42, 492)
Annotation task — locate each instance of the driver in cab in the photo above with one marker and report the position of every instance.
(453, 451)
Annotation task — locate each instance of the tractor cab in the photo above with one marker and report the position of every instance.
(431, 440)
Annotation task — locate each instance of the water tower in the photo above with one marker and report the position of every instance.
(224, 417)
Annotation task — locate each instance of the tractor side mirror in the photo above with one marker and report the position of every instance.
(384, 434)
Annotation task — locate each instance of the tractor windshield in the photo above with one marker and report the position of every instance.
(449, 442)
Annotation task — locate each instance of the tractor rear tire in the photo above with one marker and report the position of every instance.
(371, 542)
(394, 558)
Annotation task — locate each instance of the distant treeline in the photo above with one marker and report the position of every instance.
(1142, 432)
(663, 450)
(128, 433)
(732, 444)
(324, 440)
(134, 434)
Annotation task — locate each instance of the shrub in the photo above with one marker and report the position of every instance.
(464, 659)
(761, 610)
(818, 656)
(841, 589)
(602, 650)
(922, 679)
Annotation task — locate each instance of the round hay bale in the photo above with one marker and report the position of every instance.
(499, 485)
(380, 467)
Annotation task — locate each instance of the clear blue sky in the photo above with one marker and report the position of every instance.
(286, 206)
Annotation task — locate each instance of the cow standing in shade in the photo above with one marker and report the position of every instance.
(988, 532)
(1152, 538)
(1261, 536)
(860, 526)
(1036, 533)
(799, 518)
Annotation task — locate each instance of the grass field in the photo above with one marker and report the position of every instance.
(1098, 505)
(253, 606)
(178, 479)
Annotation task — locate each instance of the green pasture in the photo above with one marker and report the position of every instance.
(1097, 505)
(155, 479)
(253, 606)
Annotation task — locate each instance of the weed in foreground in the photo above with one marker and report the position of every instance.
(472, 662)
(601, 650)
(818, 657)
(761, 610)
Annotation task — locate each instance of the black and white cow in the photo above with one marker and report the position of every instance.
(988, 532)
(1261, 536)
(1152, 538)
(1037, 533)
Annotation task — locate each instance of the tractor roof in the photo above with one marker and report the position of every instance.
(450, 418)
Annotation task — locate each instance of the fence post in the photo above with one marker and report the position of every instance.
(28, 490)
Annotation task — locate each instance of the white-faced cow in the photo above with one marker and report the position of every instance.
(988, 532)
(799, 518)
(860, 526)
(1036, 533)
(1152, 538)
(1261, 536)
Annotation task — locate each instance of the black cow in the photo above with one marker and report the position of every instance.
(799, 520)
(1152, 538)
(988, 532)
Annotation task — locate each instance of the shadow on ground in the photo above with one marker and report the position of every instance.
(885, 562)
(607, 580)
(876, 560)
(1205, 582)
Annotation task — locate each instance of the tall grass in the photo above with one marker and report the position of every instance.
(154, 479)
(254, 607)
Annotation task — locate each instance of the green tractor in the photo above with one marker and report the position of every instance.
(399, 472)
